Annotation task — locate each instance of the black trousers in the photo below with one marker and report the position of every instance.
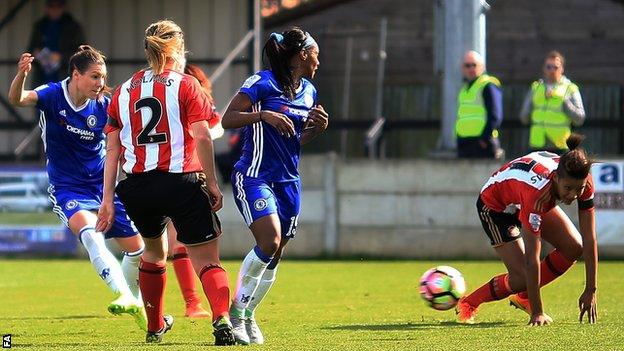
(478, 148)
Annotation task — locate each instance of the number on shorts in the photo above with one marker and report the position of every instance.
(155, 107)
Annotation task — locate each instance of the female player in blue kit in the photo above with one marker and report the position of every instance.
(279, 112)
(72, 119)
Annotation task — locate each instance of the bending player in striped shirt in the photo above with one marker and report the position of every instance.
(520, 201)
(279, 112)
(72, 118)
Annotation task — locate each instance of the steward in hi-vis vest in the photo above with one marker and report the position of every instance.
(552, 106)
(479, 112)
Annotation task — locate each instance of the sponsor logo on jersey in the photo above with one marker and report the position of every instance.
(71, 204)
(62, 113)
(536, 221)
(91, 121)
(251, 81)
(294, 111)
(84, 134)
(260, 204)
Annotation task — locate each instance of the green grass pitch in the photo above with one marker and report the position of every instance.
(315, 305)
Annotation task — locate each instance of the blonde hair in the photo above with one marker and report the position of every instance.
(164, 40)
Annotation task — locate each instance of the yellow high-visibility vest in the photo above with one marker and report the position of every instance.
(548, 121)
(471, 112)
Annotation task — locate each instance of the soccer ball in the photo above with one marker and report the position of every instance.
(441, 287)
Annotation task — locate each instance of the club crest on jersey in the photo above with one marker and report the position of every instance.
(260, 204)
(71, 204)
(91, 121)
(535, 220)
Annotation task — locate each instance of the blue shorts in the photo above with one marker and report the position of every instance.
(67, 201)
(257, 198)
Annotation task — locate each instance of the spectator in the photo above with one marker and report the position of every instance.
(552, 106)
(54, 38)
(480, 111)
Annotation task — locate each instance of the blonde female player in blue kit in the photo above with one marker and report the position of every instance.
(278, 111)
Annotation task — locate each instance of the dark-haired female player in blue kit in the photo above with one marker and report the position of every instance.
(72, 118)
(279, 112)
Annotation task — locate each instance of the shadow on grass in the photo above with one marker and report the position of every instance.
(413, 326)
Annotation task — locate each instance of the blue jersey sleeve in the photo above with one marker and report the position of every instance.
(255, 87)
(45, 94)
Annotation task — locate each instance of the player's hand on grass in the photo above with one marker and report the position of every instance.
(216, 197)
(24, 65)
(540, 319)
(587, 304)
(318, 118)
(106, 215)
(279, 121)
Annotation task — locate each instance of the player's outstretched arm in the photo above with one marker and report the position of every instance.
(533, 245)
(17, 95)
(587, 301)
(106, 212)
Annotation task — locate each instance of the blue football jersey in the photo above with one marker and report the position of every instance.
(266, 153)
(72, 136)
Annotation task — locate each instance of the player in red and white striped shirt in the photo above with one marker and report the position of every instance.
(520, 201)
(159, 129)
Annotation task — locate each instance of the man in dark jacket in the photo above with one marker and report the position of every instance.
(54, 38)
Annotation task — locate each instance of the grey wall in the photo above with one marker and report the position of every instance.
(393, 209)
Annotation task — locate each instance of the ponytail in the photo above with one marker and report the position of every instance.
(574, 163)
(164, 40)
(280, 49)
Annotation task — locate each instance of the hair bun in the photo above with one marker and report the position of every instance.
(574, 140)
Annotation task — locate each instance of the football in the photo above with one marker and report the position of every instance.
(441, 287)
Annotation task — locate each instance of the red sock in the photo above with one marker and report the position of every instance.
(496, 289)
(551, 267)
(185, 274)
(152, 280)
(214, 280)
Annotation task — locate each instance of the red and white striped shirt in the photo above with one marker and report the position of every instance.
(524, 187)
(154, 114)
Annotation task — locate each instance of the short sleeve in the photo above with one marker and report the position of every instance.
(586, 200)
(44, 95)
(113, 123)
(254, 88)
(197, 105)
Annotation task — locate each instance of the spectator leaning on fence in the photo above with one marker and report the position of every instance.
(552, 106)
(480, 111)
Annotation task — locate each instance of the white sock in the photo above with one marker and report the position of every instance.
(130, 269)
(105, 264)
(251, 271)
(267, 280)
